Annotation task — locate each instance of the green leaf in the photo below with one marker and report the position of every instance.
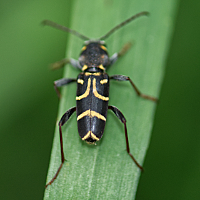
(105, 170)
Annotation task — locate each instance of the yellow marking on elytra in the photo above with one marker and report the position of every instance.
(104, 81)
(86, 136)
(91, 114)
(96, 114)
(84, 67)
(101, 67)
(97, 74)
(94, 74)
(93, 136)
(90, 134)
(86, 113)
(84, 48)
(96, 94)
(88, 73)
(81, 81)
(103, 47)
(86, 92)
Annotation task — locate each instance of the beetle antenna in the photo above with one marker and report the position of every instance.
(123, 23)
(63, 28)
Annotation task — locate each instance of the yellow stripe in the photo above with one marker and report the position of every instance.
(81, 81)
(101, 67)
(86, 136)
(88, 73)
(104, 81)
(96, 94)
(86, 92)
(103, 47)
(84, 48)
(90, 134)
(96, 114)
(84, 67)
(86, 113)
(91, 114)
(94, 74)
(94, 136)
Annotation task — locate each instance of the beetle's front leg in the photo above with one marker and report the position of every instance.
(63, 62)
(123, 50)
(126, 78)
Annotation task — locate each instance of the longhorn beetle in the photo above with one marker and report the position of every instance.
(92, 93)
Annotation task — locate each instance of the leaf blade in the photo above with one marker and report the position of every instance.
(105, 171)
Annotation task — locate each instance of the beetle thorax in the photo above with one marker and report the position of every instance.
(93, 55)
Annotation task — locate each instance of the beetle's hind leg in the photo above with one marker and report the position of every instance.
(119, 114)
(63, 120)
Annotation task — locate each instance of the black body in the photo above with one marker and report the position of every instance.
(91, 124)
(92, 94)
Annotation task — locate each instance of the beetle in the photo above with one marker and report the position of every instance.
(92, 95)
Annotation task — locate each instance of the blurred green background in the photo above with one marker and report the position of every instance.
(28, 104)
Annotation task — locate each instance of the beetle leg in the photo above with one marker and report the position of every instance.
(119, 114)
(63, 62)
(126, 78)
(123, 50)
(63, 120)
(61, 82)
